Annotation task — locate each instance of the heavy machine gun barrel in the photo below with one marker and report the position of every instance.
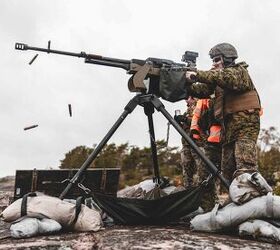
(89, 58)
(102, 60)
(140, 70)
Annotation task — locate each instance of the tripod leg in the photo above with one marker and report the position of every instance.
(149, 110)
(211, 167)
(127, 110)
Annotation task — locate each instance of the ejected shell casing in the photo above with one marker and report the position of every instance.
(33, 59)
(70, 109)
(31, 127)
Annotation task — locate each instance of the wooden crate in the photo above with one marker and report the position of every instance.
(53, 182)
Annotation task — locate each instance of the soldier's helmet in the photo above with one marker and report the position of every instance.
(223, 49)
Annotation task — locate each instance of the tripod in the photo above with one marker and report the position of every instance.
(149, 102)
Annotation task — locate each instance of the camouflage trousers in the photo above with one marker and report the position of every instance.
(195, 171)
(238, 157)
(213, 152)
(189, 161)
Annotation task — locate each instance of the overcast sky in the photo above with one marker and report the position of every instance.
(40, 93)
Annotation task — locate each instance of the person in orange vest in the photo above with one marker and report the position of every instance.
(204, 127)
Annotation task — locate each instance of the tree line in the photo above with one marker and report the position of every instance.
(136, 164)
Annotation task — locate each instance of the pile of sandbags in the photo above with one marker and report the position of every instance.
(232, 215)
(46, 214)
(253, 201)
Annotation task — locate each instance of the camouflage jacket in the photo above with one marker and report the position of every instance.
(187, 124)
(188, 114)
(231, 80)
(235, 78)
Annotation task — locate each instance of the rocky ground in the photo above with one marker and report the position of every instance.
(128, 237)
(124, 237)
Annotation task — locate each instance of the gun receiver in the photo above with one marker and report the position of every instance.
(140, 69)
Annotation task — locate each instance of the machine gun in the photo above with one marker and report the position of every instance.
(145, 73)
(151, 69)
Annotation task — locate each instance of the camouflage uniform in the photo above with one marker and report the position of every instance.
(189, 159)
(210, 197)
(241, 128)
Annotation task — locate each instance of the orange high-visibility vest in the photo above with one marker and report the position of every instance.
(201, 105)
(214, 134)
(214, 131)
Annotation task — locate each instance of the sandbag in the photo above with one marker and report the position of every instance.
(247, 186)
(267, 206)
(137, 191)
(28, 227)
(61, 211)
(142, 189)
(260, 230)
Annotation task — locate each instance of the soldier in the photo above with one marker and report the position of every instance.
(236, 106)
(189, 159)
(205, 125)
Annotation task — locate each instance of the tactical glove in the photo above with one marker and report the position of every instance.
(194, 134)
